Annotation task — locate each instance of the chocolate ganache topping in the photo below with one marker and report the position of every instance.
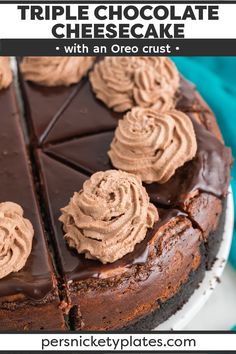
(55, 71)
(153, 145)
(5, 72)
(124, 82)
(16, 235)
(109, 216)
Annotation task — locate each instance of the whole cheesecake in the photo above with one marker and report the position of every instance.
(74, 119)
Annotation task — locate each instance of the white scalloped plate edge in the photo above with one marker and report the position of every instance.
(201, 295)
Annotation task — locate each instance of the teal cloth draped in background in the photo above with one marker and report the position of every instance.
(215, 78)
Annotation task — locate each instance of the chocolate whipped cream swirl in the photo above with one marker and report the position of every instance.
(124, 82)
(55, 71)
(16, 235)
(109, 216)
(153, 145)
(5, 73)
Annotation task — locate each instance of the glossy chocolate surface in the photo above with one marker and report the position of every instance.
(65, 166)
(75, 145)
(208, 171)
(35, 279)
(59, 184)
(49, 108)
(51, 123)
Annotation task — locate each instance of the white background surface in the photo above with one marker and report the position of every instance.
(219, 313)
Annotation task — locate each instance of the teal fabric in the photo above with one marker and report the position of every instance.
(215, 78)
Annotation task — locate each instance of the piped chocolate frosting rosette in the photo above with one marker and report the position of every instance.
(55, 71)
(153, 145)
(5, 72)
(124, 82)
(109, 216)
(16, 235)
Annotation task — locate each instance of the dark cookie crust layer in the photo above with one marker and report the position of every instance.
(175, 303)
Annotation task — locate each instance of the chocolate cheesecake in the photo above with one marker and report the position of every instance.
(72, 131)
(29, 297)
(75, 130)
